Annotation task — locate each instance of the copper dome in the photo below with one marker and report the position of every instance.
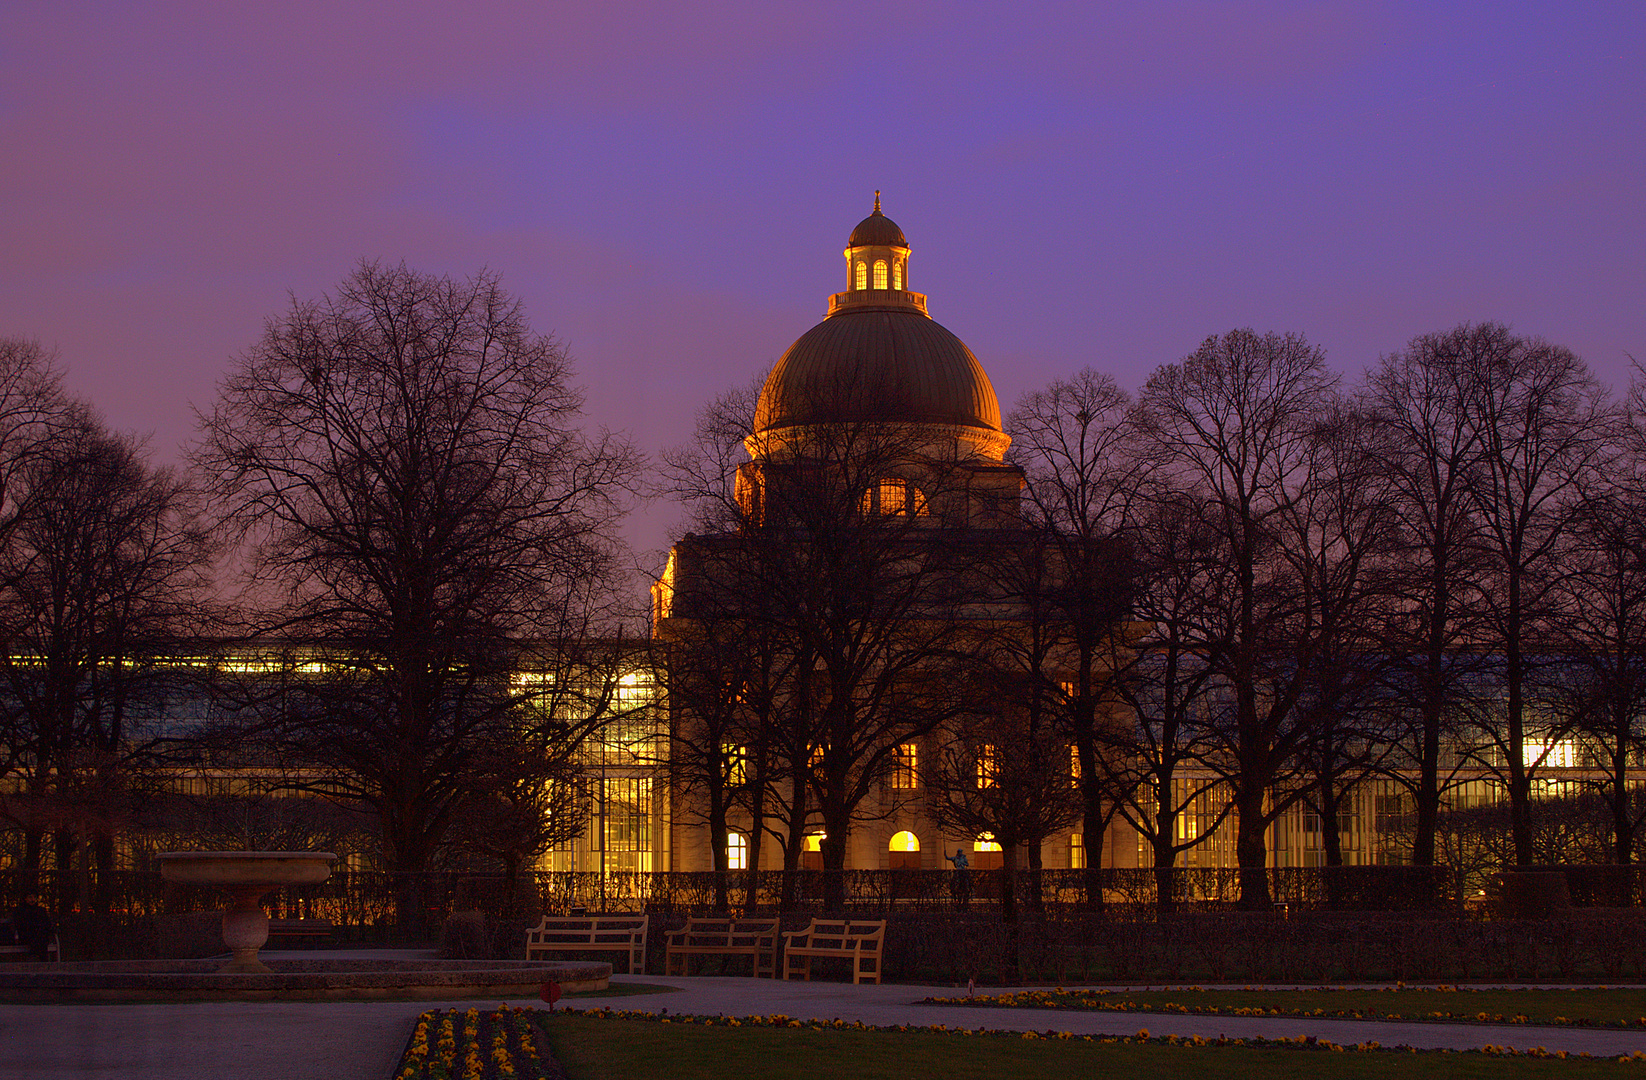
(877, 230)
(878, 364)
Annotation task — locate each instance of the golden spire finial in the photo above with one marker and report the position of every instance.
(877, 200)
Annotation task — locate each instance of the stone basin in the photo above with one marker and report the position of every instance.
(247, 869)
(246, 876)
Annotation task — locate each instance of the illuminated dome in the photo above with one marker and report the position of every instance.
(878, 364)
(880, 358)
(877, 230)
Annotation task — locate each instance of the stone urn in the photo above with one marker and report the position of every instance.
(246, 876)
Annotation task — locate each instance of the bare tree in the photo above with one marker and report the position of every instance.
(1005, 772)
(726, 655)
(1233, 426)
(101, 569)
(1599, 626)
(1339, 539)
(32, 407)
(424, 519)
(1426, 449)
(1071, 577)
(1543, 423)
(1163, 680)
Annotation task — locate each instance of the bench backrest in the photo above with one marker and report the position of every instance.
(589, 929)
(725, 930)
(864, 935)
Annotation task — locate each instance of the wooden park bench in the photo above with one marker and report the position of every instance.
(23, 953)
(590, 933)
(859, 939)
(317, 931)
(755, 938)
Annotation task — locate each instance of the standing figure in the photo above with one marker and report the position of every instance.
(33, 926)
(962, 877)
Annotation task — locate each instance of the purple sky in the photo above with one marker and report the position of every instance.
(669, 187)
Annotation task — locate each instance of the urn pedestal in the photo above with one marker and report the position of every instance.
(246, 876)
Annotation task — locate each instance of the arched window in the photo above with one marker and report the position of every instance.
(893, 495)
(904, 852)
(880, 273)
(986, 853)
(862, 276)
(737, 851)
(897, 275)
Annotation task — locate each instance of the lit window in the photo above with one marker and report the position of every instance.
(906, 766)
(862, 276)
(737, 851)
(985, 842)
(1074, 763)
(988, 765)
(903, 853)
(1559, 755)
(1077, 852)
(736, 760)
(814, 841)
(891, 496)
(897, 275)
(880, 273)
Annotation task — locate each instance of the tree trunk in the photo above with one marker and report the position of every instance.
(1433, 709)
(1520, 784)
(1165, 864)
(1008, 883)
(103, 891)
(1331, 837)
(34, 846)
(717, 844)
(796, 841)
(837, 824)
(1093, 824)
(1037, 892)
(757, 834)
(1622, 819)
(1251, 852)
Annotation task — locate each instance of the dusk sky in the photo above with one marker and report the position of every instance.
(669, 187)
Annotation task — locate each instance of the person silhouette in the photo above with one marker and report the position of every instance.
(962, 876)
(32, 923)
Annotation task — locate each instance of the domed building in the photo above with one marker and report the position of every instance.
(879, 363)
(876, 474)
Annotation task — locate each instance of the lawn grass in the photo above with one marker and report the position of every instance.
(1622, 1007)
(618, 989)
(592, 1048)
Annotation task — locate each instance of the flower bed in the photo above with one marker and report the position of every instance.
(504, 1044)
(1119, 1002)
(1301, 1042)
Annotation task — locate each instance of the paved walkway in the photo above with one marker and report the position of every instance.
(363, 1040)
